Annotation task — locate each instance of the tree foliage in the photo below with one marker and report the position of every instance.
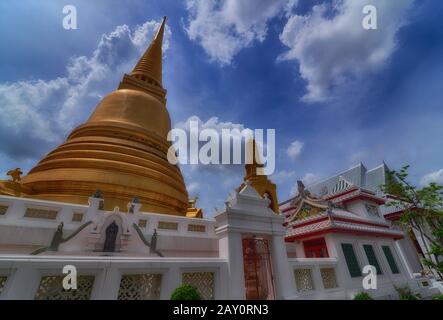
(186, 292)
(363, 296)
(422, 213)
(405, 293)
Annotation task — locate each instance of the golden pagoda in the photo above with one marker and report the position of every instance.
(258, 180)
(120, 150)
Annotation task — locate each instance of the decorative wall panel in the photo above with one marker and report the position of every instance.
(329, 278)
(3, 210)
(3, 280)
(167, 225)
(77, 217)
(140, 287)
(51, 288)
(203, 281)
(304, 280)
(196, 228)
(41, 213)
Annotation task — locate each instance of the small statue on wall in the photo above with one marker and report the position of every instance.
(111, 237)
(57, 238)
(98, 194)
(15, 174)
(135, 200)
(153, 247)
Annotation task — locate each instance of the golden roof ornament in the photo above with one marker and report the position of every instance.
(258, 180)
(15, 174)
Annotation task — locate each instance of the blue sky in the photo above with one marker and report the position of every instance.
(335, 93)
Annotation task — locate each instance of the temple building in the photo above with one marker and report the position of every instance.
(108, 203)
(371, 180)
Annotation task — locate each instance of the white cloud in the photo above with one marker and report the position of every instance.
(436, 176)
(193, 187)
(215, 124)
(224, 27)
(294, 149)
(331, 45)
(358, 156)
(38, 114)
(308, 179)
(282, 176)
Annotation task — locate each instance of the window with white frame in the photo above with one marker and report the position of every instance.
(372, 258)
(391, 260)
(351, 260)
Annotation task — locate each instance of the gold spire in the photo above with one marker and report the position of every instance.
(121, 150)
(147, 73)
(150, 64)
(257, 179)
(254, 167)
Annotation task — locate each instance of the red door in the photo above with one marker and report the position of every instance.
(316, 248)
(259, 282)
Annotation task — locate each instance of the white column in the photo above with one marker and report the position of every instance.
(106, 285)
(231, 248)
(170, 281)
(283, 277)
(22, 284)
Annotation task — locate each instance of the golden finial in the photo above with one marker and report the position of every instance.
(150, 64)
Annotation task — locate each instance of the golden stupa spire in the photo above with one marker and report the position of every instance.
(121, 150)
(150, 64)
(256, 177)
(254, 167)
(147, 73)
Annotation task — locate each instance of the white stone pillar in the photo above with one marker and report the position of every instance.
(170, 281)
(283, 277)
(231, 248)
(22, 284)
(106, 285)
(94, 204)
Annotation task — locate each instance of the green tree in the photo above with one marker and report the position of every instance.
(362, 296)
(186, 292)
(423, 213)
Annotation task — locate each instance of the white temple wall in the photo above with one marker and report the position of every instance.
(386, 280)
(312, 285)
(24, 273)
(291, 250)
(408, 253)
(359, 208)
(191, 247)
(192, 237)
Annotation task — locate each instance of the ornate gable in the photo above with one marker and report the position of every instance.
(305, 205)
